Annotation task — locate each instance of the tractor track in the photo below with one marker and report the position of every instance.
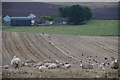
(64, 48)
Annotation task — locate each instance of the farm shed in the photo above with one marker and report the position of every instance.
(36, 19)
(21, 21)
(7, 19)
(32, 16)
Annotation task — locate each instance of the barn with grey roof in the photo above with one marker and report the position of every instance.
(20, 21)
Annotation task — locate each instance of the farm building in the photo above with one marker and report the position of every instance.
(7, 19)
(36, 19)
(21, 21)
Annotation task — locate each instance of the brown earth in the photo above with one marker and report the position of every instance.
(100, 10)
(40, 47)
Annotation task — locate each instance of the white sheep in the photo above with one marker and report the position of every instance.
(114, 64)
(42, 68)
(87, 66)
(16, 62)
(101, 66)
(47, 64)
(60, 65)
(52, 66)
(57, 62)
(67, 65)
(38, 65)
(25, 64)
(81, 65)
(5, 66)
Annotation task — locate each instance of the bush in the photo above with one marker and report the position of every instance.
(55, 18)
(88, 13)
(76, 14)
(46, 18)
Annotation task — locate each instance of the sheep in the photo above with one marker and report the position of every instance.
(114, 64)
(52, 66)
(16, 62)
(47, 64)
(5, 66)
(71, 57)
(88, 66)
(38, 64)
(42, 68)
(60, 65)
(81, 65)
(101, 66)
(30, 61)
(67, 65)
(57, 62)
(24, 64)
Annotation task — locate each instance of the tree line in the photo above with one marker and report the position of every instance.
(76, 14)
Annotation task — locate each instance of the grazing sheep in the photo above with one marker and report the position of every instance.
(71, 57)
(25, 64)
(114, 64)
(38, 64)
(16, 62)
(42, 68)
(67, 65)
(30, 61)
(60, 65)
(88, 66)
(52, 66)
(5, 66)
(57, 62)
(101, 66)
(81, 65)
(47, 64)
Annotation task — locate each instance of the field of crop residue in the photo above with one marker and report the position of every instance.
(72, 49)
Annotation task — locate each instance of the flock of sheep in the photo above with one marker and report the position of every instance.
(51, 65)
(114, 64)
(16, 63)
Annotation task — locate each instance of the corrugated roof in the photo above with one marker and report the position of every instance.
(22, 18)
(7, 18)
(32, 16)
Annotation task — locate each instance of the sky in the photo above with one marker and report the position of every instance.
(60, 0)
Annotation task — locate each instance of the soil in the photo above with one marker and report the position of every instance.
(65, 48)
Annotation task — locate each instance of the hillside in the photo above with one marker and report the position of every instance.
(99, 10)
(26, 8)
(89, 4)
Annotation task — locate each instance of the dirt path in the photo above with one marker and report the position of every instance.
(65, 48)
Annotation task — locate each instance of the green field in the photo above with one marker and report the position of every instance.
(92, 27)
